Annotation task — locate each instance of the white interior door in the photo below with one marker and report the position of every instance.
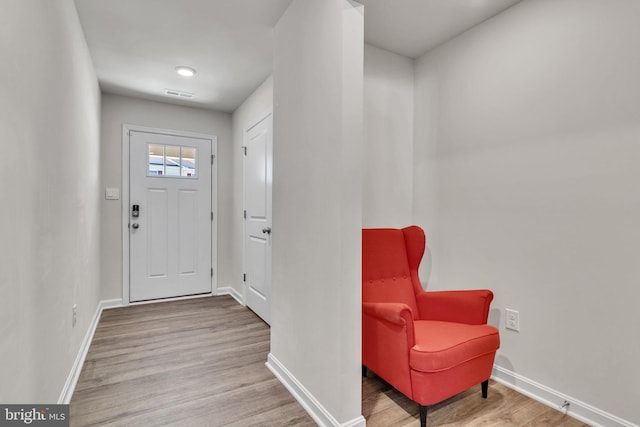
(258, 140)
(170, 216)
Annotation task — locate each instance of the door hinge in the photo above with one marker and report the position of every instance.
(244, 149)
(211, 271)
(211, 216)
(244, 277)
(245, 214)
(213, 157)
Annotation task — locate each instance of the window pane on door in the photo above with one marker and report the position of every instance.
(172, 160)
(188, 162)
(156, 159)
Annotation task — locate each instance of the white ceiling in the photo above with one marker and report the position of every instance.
(413, 27)
(136, 44)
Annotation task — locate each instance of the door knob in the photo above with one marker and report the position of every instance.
(266, 230)
(135, 225)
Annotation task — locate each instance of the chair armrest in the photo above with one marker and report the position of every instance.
(397, 313)
(387, 336)
(468, 306)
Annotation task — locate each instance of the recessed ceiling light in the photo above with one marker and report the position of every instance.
(185, 71)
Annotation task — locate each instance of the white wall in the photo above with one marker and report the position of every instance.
(117, 110)
(49, 131)
(251, 110)
(387, 196)
(531, 120)
(317, 202)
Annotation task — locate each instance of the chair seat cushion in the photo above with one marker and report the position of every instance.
(444, 345)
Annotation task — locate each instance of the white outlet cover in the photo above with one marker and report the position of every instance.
(513, 320)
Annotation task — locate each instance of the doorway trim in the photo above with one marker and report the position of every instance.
(126, 129)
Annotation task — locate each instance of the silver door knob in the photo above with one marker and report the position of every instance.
(266, 230)
(135, 225)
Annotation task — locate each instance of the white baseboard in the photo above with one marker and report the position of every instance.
(230, 290)
(554, 399)
(315, 409)
(72, 379)
(109, 303)
(161, 300)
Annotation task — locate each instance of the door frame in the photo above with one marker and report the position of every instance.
(253, 123)
(126, 129)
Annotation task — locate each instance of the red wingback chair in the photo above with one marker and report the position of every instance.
(428, 345)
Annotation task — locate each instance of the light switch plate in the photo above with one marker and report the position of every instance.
(112, 194)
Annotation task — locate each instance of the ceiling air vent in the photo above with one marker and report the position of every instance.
(178, 93)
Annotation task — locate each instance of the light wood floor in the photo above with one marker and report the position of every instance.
(383, 406)
(197, 362)
(200, 362)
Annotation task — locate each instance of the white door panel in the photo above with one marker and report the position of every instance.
(188, 218)
(257, 200)
(257, 271)
(170, 240)
(157, 239)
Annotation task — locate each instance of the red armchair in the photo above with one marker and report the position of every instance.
(428, 345)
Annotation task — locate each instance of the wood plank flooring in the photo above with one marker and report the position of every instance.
(196, 362)
(383, 406)
(200, 362)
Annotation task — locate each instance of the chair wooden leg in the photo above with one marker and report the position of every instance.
(364, 371)
(485, 388)
(423, 416)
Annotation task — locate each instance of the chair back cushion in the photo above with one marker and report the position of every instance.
(386, 276)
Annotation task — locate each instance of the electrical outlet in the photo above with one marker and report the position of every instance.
(513, 320)
(74, 319)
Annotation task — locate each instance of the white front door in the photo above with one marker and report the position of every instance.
(170, 216)
(258, 140)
